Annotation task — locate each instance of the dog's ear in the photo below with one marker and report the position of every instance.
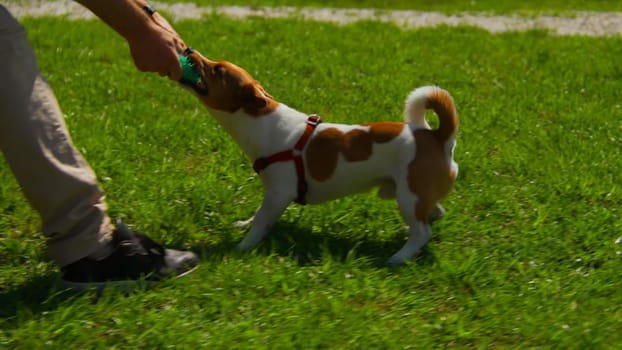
(265, 93)
(253, 100)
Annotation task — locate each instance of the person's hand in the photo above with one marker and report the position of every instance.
(157, 49)
(154, 44)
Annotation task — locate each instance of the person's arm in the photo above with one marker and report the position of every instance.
(154, 44)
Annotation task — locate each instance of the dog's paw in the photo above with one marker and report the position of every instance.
(245, 246)
(396, 261)
(437, 213)
(243, 223)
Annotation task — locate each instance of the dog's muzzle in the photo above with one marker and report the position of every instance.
(190, 76)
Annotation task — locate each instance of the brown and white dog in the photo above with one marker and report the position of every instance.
(302, 160)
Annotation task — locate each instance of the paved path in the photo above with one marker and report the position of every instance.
(577, 23)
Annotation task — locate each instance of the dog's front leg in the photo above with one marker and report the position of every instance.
(272, 207)
(420, 234)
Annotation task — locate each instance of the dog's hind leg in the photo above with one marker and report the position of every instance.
(419, 232)
(271, 209)
(437, 213)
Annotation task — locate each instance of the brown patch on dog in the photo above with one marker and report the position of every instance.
(429, 175)
(230, 88)
(386, 131)
(443, 105)
(356, 145)
(322, 153)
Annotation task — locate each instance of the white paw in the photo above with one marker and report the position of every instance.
(243, 223)
(245, 246)
(437, 213)
(396, 261)
(401, 259)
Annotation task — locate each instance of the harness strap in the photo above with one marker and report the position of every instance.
(295, 155)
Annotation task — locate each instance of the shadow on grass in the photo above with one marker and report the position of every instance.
(308, 247)
(41, 294)
(31, 299)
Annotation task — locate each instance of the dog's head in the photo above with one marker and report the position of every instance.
(226, 87)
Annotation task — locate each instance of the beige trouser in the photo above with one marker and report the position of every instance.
(55, 178)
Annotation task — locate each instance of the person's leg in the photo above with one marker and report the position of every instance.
(62, 187)
(53, 175)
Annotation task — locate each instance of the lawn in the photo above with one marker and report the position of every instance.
(525, 256)
(445, 6)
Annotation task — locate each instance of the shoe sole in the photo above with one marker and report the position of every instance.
(125, 285)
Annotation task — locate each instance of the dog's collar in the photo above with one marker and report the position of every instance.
(294, 154)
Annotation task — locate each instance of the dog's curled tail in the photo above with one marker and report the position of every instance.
(437, 99)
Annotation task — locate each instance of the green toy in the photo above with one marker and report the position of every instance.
(189, 74)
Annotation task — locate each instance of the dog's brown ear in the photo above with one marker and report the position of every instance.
(265, 93)
(253, 100)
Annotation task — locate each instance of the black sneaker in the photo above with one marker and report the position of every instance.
(136, 258)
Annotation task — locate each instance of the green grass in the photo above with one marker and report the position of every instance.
(447, 6)
(525, 256)
(528, 7)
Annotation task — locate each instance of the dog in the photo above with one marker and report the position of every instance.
(301, 159)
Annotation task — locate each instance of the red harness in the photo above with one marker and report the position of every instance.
(293, 154)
